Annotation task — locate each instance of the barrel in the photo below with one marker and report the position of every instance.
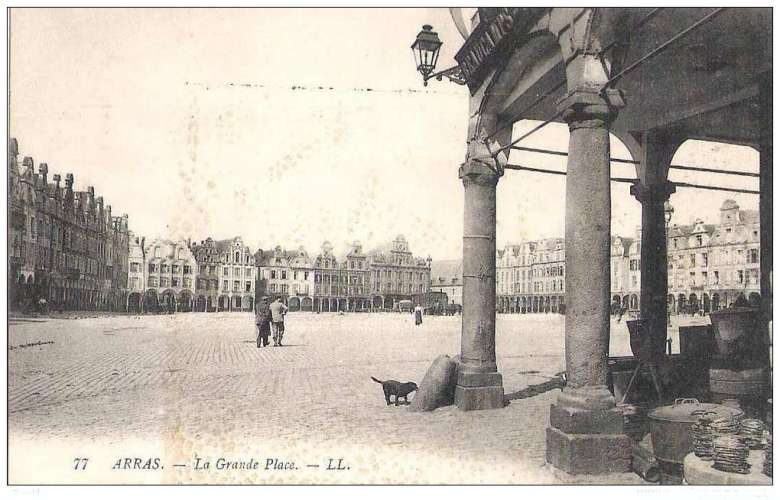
(746, 386)
(750, 382)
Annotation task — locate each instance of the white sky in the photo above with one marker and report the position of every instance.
(187, 120)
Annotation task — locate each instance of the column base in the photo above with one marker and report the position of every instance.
(479, 391)
(588, 453)
(586, 433)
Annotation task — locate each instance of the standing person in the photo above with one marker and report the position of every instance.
(263, 322)
(418, 314)
(278, 310)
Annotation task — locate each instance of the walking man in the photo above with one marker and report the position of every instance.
(278, 310)
(263, 322)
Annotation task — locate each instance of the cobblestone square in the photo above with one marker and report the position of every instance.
(194, 386)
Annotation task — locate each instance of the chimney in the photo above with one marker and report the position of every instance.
(43, 169)
(28, 163)
(56, 178)
(124, 222)
(69, 183)
(99, 202)
(91, 192)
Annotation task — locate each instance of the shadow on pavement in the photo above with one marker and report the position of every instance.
(534, 390)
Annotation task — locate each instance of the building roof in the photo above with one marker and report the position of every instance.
(443, 271)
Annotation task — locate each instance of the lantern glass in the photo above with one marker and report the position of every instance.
(668, 211)
(426, 50)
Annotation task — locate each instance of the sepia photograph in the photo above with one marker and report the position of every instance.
(390, 246)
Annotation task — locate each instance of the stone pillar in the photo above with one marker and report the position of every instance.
(653, 264)
(656, 149)
(479, 386)
(765, 210)
(586, 428)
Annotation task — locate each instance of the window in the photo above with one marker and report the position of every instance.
(248, 287)
(715, 277)
(306, 275)
(134, 267)
(284, 275)
(152, 281)
(175, 269)
(225, 285)
(175, 281)
(236, 286)
(704, 259)
(152, 267)
(273, 274)
(693, 260)
(202, 269)
(225, 270)
(753, 256)
(698, 240)
(187, 269)
(740, 276)
(212, 270)
(238, 257)
(165, 282)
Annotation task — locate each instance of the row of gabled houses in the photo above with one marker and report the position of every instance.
(227, 275)
(66, 249)
(710, 267)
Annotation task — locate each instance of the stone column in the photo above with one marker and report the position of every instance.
(586, 428)
(656, 149)
(765, 211)
(479, 386)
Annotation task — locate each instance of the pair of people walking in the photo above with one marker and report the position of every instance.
(270, 319)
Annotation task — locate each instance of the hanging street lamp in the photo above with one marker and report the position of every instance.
(426, 54)
(668, 212)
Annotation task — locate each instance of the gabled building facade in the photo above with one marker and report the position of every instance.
(65, 246)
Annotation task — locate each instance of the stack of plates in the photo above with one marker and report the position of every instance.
(751, 431)
(768, 457)
(730, 454)
(724, 426)
(702, 438)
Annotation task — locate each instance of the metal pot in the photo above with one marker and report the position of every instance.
(670, 426)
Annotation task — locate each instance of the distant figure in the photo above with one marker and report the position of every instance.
(418, 314)
(621, 313)
(278, 310)
(43, 306)
(263, 322)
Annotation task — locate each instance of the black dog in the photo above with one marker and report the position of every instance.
(397, 389)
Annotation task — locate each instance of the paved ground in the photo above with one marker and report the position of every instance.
(194, 386)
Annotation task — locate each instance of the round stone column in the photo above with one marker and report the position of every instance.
(586, 428)
(479, 386)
